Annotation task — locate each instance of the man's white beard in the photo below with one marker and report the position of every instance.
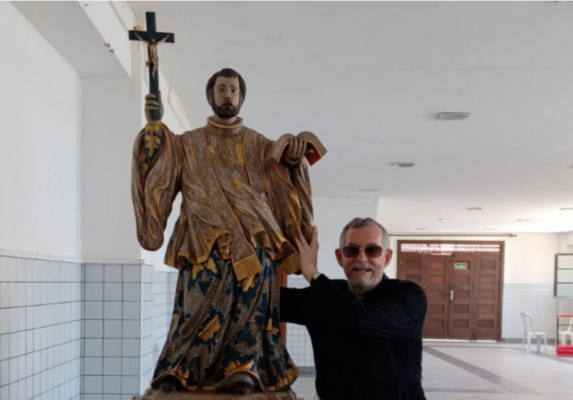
(359, 288)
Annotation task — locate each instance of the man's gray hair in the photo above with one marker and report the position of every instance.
(363, 223)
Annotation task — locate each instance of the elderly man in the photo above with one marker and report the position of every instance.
(366, 332)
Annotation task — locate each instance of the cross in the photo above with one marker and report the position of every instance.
(152, 38)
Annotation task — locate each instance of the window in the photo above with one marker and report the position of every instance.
(563, 275)
(448, 248)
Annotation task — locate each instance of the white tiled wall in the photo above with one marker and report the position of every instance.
(147, 360)
(298, 342)
(538, 302)
(40, 329)
(163, 298)
(72, 331)
(117, 311)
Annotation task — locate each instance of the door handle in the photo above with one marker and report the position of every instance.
(451, 294)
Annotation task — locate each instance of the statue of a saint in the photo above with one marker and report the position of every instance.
(245, 200)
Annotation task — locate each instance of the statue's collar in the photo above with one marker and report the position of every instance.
(217, 127)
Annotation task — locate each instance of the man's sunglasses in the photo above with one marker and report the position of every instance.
(353, 251)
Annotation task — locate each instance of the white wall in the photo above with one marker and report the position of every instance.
(111, 121)
(565, 242)
(530, 258)
(40, 143)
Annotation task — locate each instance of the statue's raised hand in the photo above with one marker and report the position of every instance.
(151, 104)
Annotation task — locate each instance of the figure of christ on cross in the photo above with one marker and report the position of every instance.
(152, 38)
(153, 60)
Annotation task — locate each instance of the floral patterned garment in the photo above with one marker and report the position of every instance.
(216, 317)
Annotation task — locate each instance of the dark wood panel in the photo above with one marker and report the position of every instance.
(461, 296)
(435, 283)
(488, 297)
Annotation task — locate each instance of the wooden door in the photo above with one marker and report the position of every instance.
(487, 286)
(461, 296)
(464, 289)
(436, 284)
(430, 272)
(411, 267)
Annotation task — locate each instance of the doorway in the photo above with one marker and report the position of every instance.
(463, 281)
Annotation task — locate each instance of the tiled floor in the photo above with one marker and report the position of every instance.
(484, 371)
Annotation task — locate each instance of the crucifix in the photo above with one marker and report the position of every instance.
(152, 38)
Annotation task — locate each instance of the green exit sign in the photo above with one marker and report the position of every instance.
(461, 266)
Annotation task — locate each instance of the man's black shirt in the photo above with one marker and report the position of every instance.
(364, 349)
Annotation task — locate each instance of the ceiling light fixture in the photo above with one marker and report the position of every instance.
(452, 116)
(402, 164)
(474, 208)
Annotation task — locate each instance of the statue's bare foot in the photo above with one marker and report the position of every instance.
(170, 384)
(239, 383)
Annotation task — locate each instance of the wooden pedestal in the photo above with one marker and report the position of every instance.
(153, 394)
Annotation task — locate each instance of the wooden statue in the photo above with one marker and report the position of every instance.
(245, 199)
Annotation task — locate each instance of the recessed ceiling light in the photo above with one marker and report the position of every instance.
(452, 116)
(566, 209)
(474, 208)
(444, 219)
(523, 220)
(402, 164)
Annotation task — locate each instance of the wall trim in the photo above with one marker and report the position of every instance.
(39, 256)
(74, 260)
(96, 260)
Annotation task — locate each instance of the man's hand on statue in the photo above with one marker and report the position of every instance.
(151, 104)
(295, 150)
(308, 254)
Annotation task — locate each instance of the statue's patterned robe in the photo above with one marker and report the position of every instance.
(241, 211)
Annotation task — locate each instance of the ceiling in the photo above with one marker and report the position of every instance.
(369, 79)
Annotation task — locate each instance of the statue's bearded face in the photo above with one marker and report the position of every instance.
(226, 99)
